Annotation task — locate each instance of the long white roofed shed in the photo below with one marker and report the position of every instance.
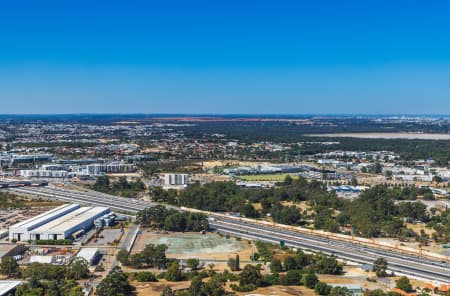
(59, 223)
(61, 228)
(21, 230)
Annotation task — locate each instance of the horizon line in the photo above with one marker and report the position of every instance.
(231, 114)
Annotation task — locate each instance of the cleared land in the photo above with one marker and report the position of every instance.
(279, 291)
(155, 289)
(418, 136)
(188, 245)
(268, 177)
(197, 243)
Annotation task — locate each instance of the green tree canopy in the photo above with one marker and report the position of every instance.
(115, 283)
(250, 275)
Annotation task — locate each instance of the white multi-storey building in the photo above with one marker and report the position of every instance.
(176, 180)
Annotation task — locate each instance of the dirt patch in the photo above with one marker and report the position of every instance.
(418, 227)
(302, 205)
(194, 243)
(280, 291)
(44, 203)
(355, 276)
(188, 245)
(208, 178)
(155, 289)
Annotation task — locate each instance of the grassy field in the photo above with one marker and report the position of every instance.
(268, 177)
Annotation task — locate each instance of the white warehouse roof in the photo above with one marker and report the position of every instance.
(41, 259)
(58, 223)
(71, 220)
(80, 218)
(55, 223)
(46, 217)
(89, 254)
(7, 286)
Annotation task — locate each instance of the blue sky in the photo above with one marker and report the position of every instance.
(291, 57)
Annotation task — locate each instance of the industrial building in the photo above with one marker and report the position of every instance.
(8, 287)
(66, 221)
(105, 220)
(11, 250)
(70, 225)
(21, 231)
(91, 255)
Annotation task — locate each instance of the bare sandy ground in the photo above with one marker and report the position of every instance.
(280, 291)
(155, 289)
(410, 136)
(194, 245)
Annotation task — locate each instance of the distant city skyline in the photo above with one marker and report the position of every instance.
(233, 57)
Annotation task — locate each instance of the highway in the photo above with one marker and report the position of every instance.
(400, 263)
(409, 264)
(85, 197)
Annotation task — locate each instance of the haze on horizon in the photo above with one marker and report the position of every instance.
(204, 57)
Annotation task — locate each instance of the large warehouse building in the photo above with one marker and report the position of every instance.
(59, 223)
(21, 231)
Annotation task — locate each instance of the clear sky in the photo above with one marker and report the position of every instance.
(214, 56)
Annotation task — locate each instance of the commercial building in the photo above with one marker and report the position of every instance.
(42, 173)
(30, 158)
(266, 169)
(97, 169)
(120, 167)
(66, 221)
(176, 180)
(56, 170)
(94, 169)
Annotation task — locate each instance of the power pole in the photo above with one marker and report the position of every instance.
(253, 250)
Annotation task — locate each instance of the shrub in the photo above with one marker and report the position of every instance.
(145, 276)
(322, 288)
(53, 242)
(270, 280)
(292, 278)
(244, 288)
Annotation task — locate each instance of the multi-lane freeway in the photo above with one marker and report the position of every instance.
(410, 264)
(420, 267)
